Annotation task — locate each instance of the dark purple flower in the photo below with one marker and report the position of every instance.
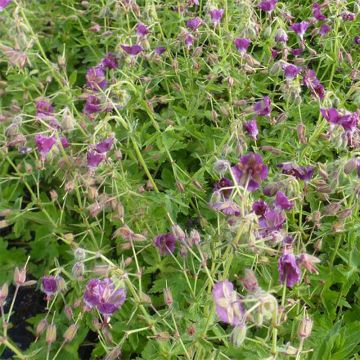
(271, 188)
(142, 30)
(250, 171)
(300, 172)
(297, 52)
(64, 142)
(165, 243)
(224, 183)
(194, 23)
(324, 29)
(289, 270)
(263, 107)
(273, 220)
(92, 105)
(251, 128)
(94, 159)
(229, 308)
(317, 14)
(300, 28)
(348, 16)
(260, 207)
(95, 78)
(242, 44)
(44, 107)
(103, 295)
(44, 143)
(110, 61)
(216, 16)
(104, 146)
(267, 5)
(349, 121)
(49, 285)
(4, 4)
(291, 71)
(282, 201)
(159, 50)
(281, 36)
(312, 82)
(357, 40)
(331, 115)
(275, 53)
(132, 50)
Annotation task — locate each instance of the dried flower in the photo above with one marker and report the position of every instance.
(249, 281)
(228, 304)
(165, 243)
(263, 107)
(289, 270)
(250, 171)
(104, 295)
(95, 78)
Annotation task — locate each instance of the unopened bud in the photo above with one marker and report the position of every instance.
(238, 334)
(51, 334)
(178, 232)
(79, 254)
(41, 326)
(168, 298)
(68, 312)
(301, 132)
(70, 333)
(194, 238)
(305, 328)
(78, 270)
(20, 276)
(4, 291)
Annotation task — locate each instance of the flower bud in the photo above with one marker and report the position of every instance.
(238, 334)
(114, 354)
(70, 333)
(19, 276)
(305, 328)
(178, 232)
(194, 238)
(249, 281)
(79, 254)
(68, 312)
(41, 326)
(168, 298)
(51, 334)
(4, 291)
(78, 270)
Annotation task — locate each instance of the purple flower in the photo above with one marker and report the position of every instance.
(267, 5)
(142, 30)
(110, 61)
(194, 23)
(289, 270)
(159, 50)
(263, 107)
(349, 121)
(250, 171)
(291, 71)
(259, 207)
(282, 201)
(104, 146)
(300, 28)
(312, 82)
(242, 44)
(4, 4)
(49, 285)
(188, 39)
(251, 128)
(300, 172)
(348, 16)
(332, 116)
(44, 107)
(165, 243)
(103, 295)
(132, 50)
(94, 159)
(297, 52)
(324, 29)
(64, 142)
(281, 36)
(216, 16)
(357, 40)
(224, 183)
(275, 53)
(272, 221)
(229, 308)
(44, 143)
(92, 105)
(95, 78)
(316, 11)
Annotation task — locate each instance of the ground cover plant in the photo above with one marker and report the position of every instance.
(179, 179)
